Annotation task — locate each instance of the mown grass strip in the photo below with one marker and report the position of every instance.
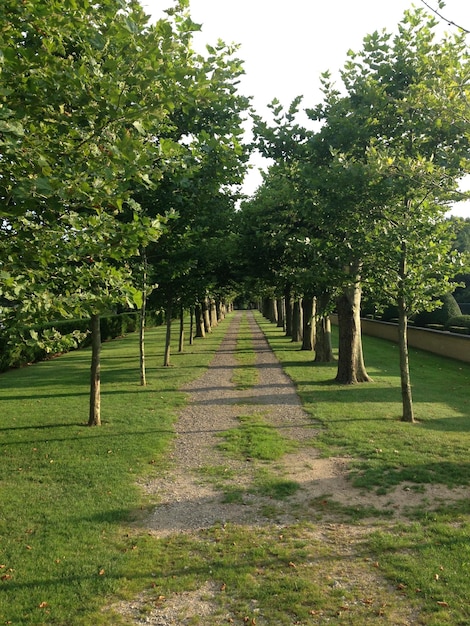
(68, 492)
(255, 439)
(245, 375)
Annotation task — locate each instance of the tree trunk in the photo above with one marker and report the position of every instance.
(351, 368)
(181, 337)
(143, 377)
(200, 332)
(288, 309)
(206, 316)
(308, 316)
(272, 311)
(191, 325)
(323, 348)
(280, 313)
(213, 313)
(265, 308)
(166, 358)
(94, 418)
(220, 310)
(406, 396)
(296, 322)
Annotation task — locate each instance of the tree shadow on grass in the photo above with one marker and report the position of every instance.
(448, 424)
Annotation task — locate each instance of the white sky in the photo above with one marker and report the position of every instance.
(287, 44)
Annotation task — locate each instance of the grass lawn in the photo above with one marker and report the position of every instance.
(69, 494)
(67, 491)
(428, 554)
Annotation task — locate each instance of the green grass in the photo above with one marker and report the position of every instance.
(255, 439)
(69, 495)
(245, 374)
(68, 491)
(363, 421)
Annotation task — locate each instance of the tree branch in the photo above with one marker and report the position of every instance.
(450, 22)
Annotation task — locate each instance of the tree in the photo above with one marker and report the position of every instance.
(188, 261)
(87, 92)
(416, 157)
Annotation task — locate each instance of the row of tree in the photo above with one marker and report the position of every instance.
(120, 155)
(359, 202)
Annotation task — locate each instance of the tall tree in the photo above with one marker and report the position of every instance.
(86, 92)
(416, 89)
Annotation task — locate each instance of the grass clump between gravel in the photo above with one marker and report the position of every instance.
(245, 375)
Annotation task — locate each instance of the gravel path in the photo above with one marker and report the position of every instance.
(190, 502)
(190, 494)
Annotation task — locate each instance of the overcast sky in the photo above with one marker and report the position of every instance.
(287, 44)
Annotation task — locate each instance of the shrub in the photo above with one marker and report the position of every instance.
(462, 321)
(441, 315)
(44, 340)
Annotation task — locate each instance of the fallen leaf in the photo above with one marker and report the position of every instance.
(101, 572)
(223, 587)
(43, 605)
(442, 603)
(292, 565)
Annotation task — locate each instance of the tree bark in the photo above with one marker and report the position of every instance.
(272, 311)
(308, 317)
(213, 313)
(166, 358)
(206, 316)
(280, 313)
(200, 332)
(94, 418)
(288, 309)
(296, 321)
(323, 348)
(406, 395)
(143, 376)
(191, 325)
(220, 310)
(181, 337)
(351, 368)
(265, 308)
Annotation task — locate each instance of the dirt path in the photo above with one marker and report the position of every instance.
(191, 493)
(189, 502)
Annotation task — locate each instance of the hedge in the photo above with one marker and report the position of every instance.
(461, 321)
(65, 335)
